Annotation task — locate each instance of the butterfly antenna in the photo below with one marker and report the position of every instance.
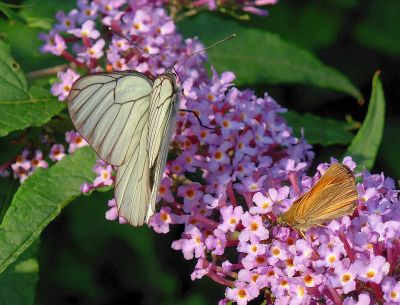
(206, 48)
(134, 43)
(197, 52)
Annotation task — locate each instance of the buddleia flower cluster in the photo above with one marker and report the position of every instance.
(26, 163)
(233, 8)
(233, 168)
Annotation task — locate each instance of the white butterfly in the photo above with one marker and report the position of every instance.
(128, 120)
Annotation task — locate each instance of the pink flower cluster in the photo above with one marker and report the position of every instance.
(348, 261)
(227, 184)
(248, 6)
(28, 161)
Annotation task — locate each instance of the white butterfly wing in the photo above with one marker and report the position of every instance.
(132, 185)
(129, 122)
(162, 117)
(109, 110)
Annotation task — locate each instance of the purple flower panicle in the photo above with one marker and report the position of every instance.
(227, 185)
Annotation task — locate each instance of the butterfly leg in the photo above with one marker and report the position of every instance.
(197, 117)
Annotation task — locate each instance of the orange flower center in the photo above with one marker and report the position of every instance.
(346, 277)
(190, 193)
(331, 259)
(242, 293)
(276, 252)
(162, 190)
(260, 259)
(218, 155)
(254, 226)
(254, 248)
(164, 217)
(371, 274)
(290, 241)
(308, 279)
(289, 262)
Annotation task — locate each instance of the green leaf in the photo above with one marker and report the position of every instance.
(20, 107)
(38, 15)
(296, 22)
(27, 51)
(257, 56)
(7, 10)
(39, 22)
(318, 130)
(12, 79)
(39, 200)
(141, 241)
(18, 282)
(365, 144)
(380, 28)
(389, 151)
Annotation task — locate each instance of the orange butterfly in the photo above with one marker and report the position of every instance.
(333, 196)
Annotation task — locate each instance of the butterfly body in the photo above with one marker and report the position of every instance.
(128, 119)
(333, 196)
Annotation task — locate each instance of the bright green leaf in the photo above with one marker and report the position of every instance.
(259, 56)
(39, 200)
(39, 22)
(20, 107)
(365, 144)
(318, 130)
(18, 282)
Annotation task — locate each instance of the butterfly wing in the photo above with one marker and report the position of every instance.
(132, 185)
(336, 198)
(333, 196)
(109, 110)
(162, 117)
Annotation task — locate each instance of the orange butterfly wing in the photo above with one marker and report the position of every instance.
(332, 197)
